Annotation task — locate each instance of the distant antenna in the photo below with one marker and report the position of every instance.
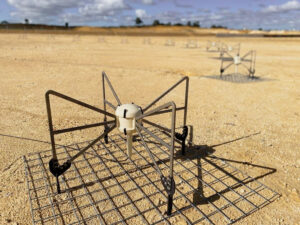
(101, 39)
(23, 36)
(170, 42)
(235, 49)
(247, 61)
(213, 46)
(191, 44)
(147, 41)
(124, 41)
(51, 37)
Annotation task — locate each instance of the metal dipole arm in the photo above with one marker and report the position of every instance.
(181, 137)
(67, 98)
(58, 170)
(57, 94)
(92, 143)
(170, 89)
(105, 78)
(168, 183)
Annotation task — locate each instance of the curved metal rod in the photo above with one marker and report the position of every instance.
(170, 89)
(173, 121)
(154, 111)
(167, 182)
(67, 98)
(111, 105)
(247, 54)
(226, 67)
(92, 143)
(57, 94)
(149, 153)
(105, 78)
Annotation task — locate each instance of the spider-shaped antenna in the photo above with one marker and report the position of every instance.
(213, 46)
(247, 61)
(235, 49)
(129, 119)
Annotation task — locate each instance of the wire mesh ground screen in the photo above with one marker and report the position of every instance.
(105, 187)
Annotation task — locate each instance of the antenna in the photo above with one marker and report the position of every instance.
(247, 61)
(101, 39)
(147, 41)
(213, 46)
(235, 49)
(124, 41)
(129, 119)
(191, 44)
(170, 42)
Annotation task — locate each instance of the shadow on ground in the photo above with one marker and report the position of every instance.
(238, 78)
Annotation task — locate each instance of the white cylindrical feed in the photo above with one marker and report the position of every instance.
(126, 115)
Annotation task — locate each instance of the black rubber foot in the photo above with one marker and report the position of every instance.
(182, 138)
(106, 139)
(58, 170)
(170, 205)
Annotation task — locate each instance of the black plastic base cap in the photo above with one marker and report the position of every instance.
(106, 139)
(182, 138)
(170, 205)
(57, 169)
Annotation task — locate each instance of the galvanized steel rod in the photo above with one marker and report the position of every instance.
(111, 87)
(82, 127)
(92, 143)
(165, 93)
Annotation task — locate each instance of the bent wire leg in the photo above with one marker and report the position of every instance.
(179, 136)
(186, 79)
(105, 78)
(168, 182)
(222, 69)
(54, 166)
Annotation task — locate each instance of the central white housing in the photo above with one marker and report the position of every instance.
(126, 115)
(237, 60)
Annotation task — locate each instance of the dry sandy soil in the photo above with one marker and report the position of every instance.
(265, 115)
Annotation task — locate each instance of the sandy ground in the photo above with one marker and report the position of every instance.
(266, 115)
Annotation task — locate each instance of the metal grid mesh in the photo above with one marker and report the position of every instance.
(105, 187)
(238, 78)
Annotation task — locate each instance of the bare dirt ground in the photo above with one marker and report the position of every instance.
(263, 116)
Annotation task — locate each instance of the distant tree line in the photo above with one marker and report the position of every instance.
(139, 22)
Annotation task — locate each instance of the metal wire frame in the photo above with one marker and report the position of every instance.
(55, 168)
(191, 44)
(230, 48)
(59, 169)
(147, 41)
(98, 180)
(124, 41)
(170, 42)
(212, 46)
(247, 61)
(101, 39)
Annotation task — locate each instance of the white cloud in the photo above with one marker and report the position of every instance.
(102, 7)
(117, 12)
(148, 2)
(140, 13)
(65, 10)
(288, 6)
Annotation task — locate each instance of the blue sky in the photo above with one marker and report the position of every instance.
(239, 14)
